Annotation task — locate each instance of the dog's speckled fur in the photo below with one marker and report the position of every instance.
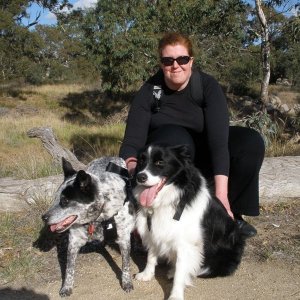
(90, 196)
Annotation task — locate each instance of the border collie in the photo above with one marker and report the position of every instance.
(181, 221)
(88, 203)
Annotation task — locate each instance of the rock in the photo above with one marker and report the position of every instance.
(284, 108)
(280, 178)
(275, 100)
(279, 181)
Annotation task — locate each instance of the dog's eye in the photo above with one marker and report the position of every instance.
(159, 163)
(63, 200)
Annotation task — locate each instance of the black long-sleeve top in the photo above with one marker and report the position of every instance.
(179, 108)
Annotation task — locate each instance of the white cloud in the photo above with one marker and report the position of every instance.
(50, 18)
(84, 4)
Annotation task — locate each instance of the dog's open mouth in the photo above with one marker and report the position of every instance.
(63, 225)
(149, 193)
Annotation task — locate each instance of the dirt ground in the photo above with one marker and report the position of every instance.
(270, 269)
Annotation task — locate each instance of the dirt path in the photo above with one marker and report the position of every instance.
(253, 280)
(270, 270)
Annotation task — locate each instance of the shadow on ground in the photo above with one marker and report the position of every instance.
(93, 106)
(88, 146)
(23, 293)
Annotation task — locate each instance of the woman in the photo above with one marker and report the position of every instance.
(230, 156)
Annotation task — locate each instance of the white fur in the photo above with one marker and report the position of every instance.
(180, 242)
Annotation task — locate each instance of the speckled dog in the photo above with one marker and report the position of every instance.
(83, 203)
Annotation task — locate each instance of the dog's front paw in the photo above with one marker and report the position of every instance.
(127, 286)
(65, 292)
(175, 298)
(144, 276)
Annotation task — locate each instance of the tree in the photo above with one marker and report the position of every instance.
(265, 51)
(271, 24)
(18, 45)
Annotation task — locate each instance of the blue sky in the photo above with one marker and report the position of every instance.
(49, 18)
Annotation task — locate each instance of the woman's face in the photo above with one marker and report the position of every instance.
(176, 76)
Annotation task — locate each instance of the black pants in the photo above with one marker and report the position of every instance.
(246, 150)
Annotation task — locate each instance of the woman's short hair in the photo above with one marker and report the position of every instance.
(175, 38)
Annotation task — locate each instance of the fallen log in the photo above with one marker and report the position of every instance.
(279, 178)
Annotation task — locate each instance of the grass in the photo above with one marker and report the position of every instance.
(18, 231)
(76, 114)
(23, 157)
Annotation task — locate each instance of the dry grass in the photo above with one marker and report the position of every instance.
(23, 157)
(17, 254)
(81, 130)
(285, 93)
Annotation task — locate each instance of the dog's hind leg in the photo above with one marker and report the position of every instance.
(74, 246)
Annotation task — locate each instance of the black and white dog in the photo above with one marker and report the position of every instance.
(181, 221)
(83, 203)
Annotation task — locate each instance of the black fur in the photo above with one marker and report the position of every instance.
(223, 241)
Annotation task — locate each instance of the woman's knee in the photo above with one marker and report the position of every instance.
(246, 140)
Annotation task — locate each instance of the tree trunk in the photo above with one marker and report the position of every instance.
(265, 52)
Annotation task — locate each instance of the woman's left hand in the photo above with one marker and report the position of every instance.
(221, 190)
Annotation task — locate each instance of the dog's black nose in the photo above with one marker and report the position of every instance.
(141, 177)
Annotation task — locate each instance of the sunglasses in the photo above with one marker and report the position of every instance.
(169, 61)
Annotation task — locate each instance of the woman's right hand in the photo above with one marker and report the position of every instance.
(131, 163)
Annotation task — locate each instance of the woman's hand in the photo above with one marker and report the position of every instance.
(221, 191)
(131, 163)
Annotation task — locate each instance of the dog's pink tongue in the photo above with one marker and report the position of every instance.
(147, 196)
(62, 224)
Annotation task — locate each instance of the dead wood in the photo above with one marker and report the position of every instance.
(50, 143)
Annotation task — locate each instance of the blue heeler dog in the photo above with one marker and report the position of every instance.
(85, 203)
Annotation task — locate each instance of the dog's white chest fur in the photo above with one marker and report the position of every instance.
(166, 234)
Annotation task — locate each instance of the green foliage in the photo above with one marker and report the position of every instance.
(122, 36)
(243, 72)
(263, 123)
(117, 41)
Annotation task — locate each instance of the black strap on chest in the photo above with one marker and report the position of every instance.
(179, 210)
(196, 89)
(123, 173)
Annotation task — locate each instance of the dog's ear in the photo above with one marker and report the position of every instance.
(182, 151)
(83, 180)
(67, 168)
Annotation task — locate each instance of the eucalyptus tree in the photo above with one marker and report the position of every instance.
(267, 24)
(18, 45)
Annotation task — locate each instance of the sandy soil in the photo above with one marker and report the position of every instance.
(270, 269)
